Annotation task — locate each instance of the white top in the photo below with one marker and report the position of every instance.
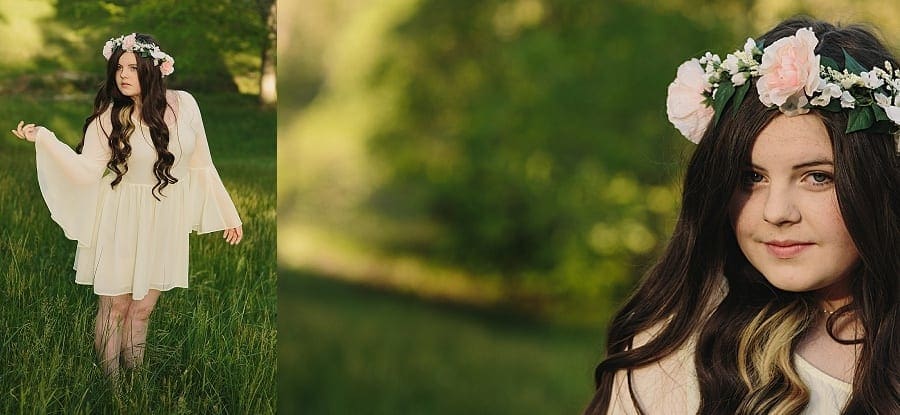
(129, 242)
(670, 386)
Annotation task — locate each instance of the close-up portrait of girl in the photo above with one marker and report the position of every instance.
(778, 290)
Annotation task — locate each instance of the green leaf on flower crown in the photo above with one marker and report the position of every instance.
(851, 64)
(834, 105)
(861, 118)
(739, 96)
(863, 99)
(831, 63)
(880, 115)
(723, 94)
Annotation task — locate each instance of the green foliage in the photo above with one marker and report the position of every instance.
(860, 118)
(534, 138)
(851, 64)
(723, 93)
(212, 42)
(212, 347)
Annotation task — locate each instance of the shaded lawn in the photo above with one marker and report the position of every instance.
(345, 349)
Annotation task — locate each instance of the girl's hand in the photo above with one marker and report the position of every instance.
(233, 235)
(26, 131)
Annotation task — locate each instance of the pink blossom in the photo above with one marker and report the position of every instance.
(128, 42)
(685, 104)
(167, 67)
(108, 49)
(790, 70)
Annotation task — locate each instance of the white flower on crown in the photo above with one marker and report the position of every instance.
(847, 100)
(892, 111)
(750, 46)
(828, 92)
(740, 78)
(730, 63)
(871, 79)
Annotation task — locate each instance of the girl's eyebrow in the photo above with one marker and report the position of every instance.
(817, 162)
(811, 163)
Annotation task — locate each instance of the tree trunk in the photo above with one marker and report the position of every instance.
(267, 92)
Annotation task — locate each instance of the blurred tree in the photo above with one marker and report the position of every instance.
(267, 79)
(533, 135)
(217, 42)
(519, 138)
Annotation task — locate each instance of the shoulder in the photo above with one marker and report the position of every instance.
(665, 386)
(103, 122)
(186, 101)
(182, 96)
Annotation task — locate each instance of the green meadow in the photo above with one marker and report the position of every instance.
(355, 350)
(212, 347)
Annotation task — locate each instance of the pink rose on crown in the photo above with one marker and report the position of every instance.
(128, 42)
(686, 102)
(167, 67)
(108, 49)
(789, 72)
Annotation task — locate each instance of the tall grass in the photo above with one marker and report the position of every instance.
(211, 347)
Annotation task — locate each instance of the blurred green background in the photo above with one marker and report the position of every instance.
(468, 189)
(52, 45)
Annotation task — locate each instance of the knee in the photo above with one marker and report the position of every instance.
(139, 312)
(117, 310)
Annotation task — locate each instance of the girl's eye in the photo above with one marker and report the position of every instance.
(820, 179)
(751, 177)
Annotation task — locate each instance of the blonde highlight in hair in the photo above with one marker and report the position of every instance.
(119, 142)
(765, 360)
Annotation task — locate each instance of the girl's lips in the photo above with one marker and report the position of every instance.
(785, 250)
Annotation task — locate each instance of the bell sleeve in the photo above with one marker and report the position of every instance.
(70, 182)
(211, 207)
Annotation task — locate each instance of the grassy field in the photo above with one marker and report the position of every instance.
(212, 347)
(350, 350)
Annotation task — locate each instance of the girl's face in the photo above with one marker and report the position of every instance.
(127, 76)
(786, 215)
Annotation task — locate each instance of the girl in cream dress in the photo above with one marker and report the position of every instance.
(131, 192)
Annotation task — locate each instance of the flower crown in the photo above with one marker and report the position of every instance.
(130, 43)
(791, 77)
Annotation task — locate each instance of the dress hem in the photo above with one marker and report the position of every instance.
(161, 289)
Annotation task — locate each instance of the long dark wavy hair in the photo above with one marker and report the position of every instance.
(681, 292)
(153, 108)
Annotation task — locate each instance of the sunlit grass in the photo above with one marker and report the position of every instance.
(211, 347)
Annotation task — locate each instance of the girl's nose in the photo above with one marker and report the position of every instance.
(780, 208)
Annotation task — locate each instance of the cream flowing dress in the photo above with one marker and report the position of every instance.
(670, 386)
(128, 241)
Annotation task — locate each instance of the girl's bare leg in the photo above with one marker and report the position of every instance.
(111, 312)
(134, 332)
